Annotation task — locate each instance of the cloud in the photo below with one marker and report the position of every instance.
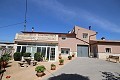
(102, 23)
(68, 13)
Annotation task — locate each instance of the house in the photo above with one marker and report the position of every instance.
(52, 44)
(103, 48)
(80, 41)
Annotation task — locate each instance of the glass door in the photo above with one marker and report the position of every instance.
(52, 54)
(44, 52)
(34, 50)
(48, 53)
(28, 49)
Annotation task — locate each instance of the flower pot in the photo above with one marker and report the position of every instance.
(61, 63)
(73, 55)
(53, 67)
(4, 64)
(60, 57)
(40, 74)
(69, 58)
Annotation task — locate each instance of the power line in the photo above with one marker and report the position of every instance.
(20, 22)
(12, 25)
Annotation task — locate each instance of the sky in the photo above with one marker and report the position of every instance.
(60, 16)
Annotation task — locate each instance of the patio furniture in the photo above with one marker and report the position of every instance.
(33, 63)
(23, 64)
(28, 60)
(113, 57)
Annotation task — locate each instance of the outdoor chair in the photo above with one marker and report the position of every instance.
(116, 58)
(23, 64)
(34, 63)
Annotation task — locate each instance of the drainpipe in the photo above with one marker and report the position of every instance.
(90, 43)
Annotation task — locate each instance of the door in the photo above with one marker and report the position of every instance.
(44, 52)
(48, 53)
(82, 51)
(52, 54)
(34, 50)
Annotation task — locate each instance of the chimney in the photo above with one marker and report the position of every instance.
(89, 27)
(69, 32)
(103, 38)
(32, 29)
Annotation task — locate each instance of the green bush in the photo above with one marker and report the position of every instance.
(17, 56)
(69, 57)
(61, 60)
(52, 65)
(27, 54)
(5, 57)
(38, 57)
(40, 68)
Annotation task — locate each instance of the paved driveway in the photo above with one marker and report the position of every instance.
(87, 69)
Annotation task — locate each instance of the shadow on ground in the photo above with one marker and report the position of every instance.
(1, 73)
(110, 76)
(69, 77)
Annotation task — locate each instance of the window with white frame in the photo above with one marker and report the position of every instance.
(18, 48)
(63, 38)
(108, 50)
(65, 50)
(85, 35)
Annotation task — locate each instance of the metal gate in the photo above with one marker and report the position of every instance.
(82, 50)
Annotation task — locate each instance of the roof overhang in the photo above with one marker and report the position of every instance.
(104, 42)
(35, 41)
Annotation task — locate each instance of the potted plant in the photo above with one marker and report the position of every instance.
(73, 55)
(4, 60)
(53, 66)
(40, 70)
(47, 59)
(60, 57)
(38, 57)
(17, 56)
(69, 57)
(61, 61)
(27, 54)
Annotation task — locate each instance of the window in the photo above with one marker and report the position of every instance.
(85, 35)
(108, 50)
(38, 49)
(18, 48)
(63, 38)
(65, 50)
(23, 49)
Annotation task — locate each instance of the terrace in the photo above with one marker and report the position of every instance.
(28, 72)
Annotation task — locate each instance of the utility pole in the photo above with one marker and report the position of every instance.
(25, 16)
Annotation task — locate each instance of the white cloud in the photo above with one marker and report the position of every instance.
(66, 12)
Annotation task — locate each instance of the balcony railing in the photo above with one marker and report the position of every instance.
(37, 37)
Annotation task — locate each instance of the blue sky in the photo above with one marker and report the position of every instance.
(61, 16)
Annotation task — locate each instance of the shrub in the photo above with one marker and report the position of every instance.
(40, 68)
(69, 57)
(53, 65)
(5, 57)
(27, 54)
(61, 60)
(38, 56)
(17, 56)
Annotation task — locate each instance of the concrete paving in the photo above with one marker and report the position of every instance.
(85, 69)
